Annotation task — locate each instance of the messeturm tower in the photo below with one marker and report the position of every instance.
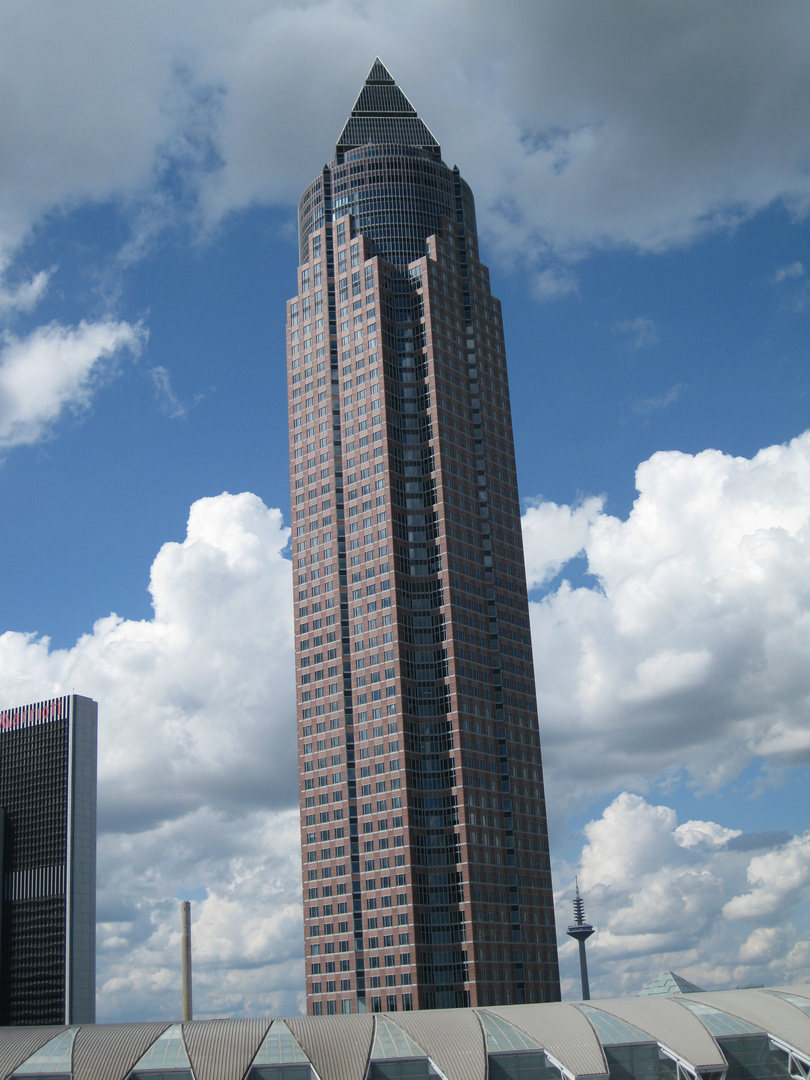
(423, 821)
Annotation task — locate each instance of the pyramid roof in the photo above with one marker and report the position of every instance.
(668, 982)
(383, 115)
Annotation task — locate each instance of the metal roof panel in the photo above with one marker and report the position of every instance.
(452, 1038)
(18, 1044)
(777, 1016)
(562, 1030)
(337, 1046)
(666, 1022)
(223, 1049)
(109, 1051)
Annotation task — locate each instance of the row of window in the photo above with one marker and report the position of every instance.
(375, 1005)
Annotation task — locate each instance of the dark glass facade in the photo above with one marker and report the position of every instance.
(426, 868)
(47, 915)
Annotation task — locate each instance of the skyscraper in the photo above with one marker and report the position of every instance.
(48, 853)
(425, 852)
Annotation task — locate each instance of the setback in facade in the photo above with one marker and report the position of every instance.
(48, 849)
(423, 821)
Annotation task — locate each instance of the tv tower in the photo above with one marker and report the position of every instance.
(581, 931)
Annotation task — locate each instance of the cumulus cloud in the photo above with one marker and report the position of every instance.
(56, 368)
(704, 834)
(688, 654)
(665, 896)
(578, 130)
(553, 535)
(776, 879)
(197, 766)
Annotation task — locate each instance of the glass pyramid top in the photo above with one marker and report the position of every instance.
(670, 983)
(167, 1052)
(383, 115)
(280, 1047)
(53, 1057)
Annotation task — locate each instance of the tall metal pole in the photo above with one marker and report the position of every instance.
(185, 945)
(581, 931)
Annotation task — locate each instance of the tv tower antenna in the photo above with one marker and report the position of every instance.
(581, 931)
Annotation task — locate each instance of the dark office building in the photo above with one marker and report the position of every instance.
(48, 846)
(425, 851)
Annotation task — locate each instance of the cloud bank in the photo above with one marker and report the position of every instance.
(687, 657)
(684, 897)
(688, 653)
(197, 768)
(579, 129)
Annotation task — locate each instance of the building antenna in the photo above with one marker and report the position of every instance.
(581, 931)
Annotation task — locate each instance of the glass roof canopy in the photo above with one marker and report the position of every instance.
(54, 1057)
(746, 1035)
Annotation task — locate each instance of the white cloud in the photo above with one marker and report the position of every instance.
(661, 896)
(641, 331)
(706, 834)
(554, 284)
(787, 273)
(168, 401)
(776, 879)
(23, 296)
(55, 368)
(764, 943)
(92, 99)
(197, 767)
(796, 286)
(645, 406)
(633, 128)
(689, 652)
(553, 535)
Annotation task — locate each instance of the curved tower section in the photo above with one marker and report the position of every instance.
(388, 175)
(425, 853)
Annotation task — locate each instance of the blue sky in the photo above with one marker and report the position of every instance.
(643, 210)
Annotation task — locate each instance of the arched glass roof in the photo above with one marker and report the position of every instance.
(280, 1047)
(391, 1041)
(168, 1052)
(718, 1022)
(611, 1030)
(764, 1034)
(54, 1057)
(502, 1038)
